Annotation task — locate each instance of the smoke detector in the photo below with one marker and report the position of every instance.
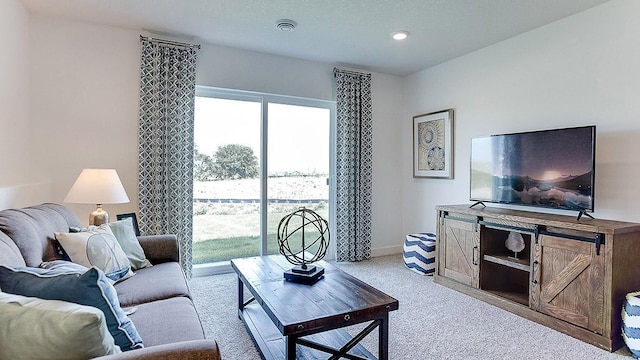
(286, 25)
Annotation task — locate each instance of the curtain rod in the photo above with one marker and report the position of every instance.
(169, 42)
(335, 69)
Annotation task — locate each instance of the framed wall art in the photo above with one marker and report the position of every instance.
(433, 145)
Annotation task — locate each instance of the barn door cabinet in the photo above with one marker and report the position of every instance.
(571, 275)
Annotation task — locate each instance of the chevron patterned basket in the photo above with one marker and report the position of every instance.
(631, 323)
(419, 253)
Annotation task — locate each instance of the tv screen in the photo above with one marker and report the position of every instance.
(549, 168)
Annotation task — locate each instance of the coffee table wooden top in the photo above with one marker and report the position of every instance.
(337, 300)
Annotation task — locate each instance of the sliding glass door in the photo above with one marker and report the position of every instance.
(226, 190)
(258, 157)
(298, 164)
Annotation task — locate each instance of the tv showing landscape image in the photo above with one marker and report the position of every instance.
(550, 168)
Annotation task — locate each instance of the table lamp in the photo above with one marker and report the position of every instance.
(97, 186)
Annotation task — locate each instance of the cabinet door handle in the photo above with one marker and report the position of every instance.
(473, 255)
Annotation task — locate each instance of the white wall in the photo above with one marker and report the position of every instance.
(84, 112)
(17, 187)
(238, 69)
(386, 217)
(578, 71)
(14, 92)
(84, 105)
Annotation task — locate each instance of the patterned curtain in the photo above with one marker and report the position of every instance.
(353, 165)
(165, 159)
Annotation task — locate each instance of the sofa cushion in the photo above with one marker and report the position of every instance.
(32, 230)
(9, 252)
(159, 282)
(160, 248)
(126, 236)
(96, 247)
(90, 288)
(33, 328)
(151, 321)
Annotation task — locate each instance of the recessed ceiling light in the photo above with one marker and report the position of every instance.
(286, 24)
(400, 35)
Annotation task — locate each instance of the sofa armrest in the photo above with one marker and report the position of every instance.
(189, 350)
(160, 248)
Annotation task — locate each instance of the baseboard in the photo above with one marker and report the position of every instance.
(217, 268)
(224, 267)
(389, 250)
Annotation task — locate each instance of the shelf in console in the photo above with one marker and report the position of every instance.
(517, 297)
(520, 264)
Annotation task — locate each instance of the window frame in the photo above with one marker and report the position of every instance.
(265, 99)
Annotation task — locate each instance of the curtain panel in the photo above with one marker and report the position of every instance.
(353, 165)
(165, 159)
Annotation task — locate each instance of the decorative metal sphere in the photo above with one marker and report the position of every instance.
(293, 230)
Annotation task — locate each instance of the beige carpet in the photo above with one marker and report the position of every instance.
(433, 322)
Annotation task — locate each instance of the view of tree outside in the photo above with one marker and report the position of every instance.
(227, 173)
(230, 162)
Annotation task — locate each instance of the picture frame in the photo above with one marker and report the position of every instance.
(433, 145)
(134, 221)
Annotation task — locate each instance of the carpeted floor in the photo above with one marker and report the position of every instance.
(433, 322)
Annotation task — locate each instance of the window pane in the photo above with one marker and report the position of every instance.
(226, 221)
(298, 167)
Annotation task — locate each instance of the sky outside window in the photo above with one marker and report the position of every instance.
(302, 132)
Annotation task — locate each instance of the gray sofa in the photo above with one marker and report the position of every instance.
(165, 315)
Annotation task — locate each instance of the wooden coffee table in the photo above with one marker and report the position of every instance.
(296, 321)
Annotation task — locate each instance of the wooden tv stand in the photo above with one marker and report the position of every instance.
(572, 275)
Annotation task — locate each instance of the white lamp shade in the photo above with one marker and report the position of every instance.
(97, 186)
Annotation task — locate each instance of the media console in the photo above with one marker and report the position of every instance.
(571, 275)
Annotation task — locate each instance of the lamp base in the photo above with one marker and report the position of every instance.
(308, 276)
(98, 216)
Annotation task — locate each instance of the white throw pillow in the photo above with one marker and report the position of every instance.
(97, 247)
(33, 328)
(126, 236)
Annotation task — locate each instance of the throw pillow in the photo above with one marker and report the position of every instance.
(126, 236)
(33, 328)
(97, 247)
(64, 266)
(90, 288)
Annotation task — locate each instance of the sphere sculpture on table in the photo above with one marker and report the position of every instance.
(303, 238)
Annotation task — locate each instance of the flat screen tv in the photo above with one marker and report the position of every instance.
(548, 168)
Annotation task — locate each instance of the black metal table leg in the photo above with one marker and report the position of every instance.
(240, 296)
(290, 343)
(383, 338)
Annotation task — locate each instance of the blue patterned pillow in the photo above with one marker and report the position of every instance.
(89, 288)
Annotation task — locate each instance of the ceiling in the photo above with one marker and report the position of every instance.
(352, 33)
